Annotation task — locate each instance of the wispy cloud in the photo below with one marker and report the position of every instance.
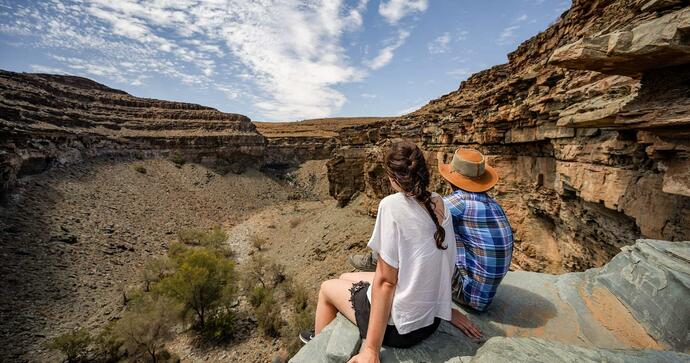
(507, 36)
(290, 50)
(386, 54)
(394, 10)
(440, 44)
(368, 95)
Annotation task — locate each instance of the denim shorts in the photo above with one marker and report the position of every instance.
(391, 338)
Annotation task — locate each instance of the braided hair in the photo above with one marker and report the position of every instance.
(405, 164)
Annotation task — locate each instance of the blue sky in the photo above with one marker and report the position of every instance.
(274, 60)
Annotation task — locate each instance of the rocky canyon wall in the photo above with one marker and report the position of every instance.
(47, 120)
(588, 125)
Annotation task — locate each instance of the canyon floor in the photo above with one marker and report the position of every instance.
(75, 237)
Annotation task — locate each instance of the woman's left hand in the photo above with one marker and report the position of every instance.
(367, 355)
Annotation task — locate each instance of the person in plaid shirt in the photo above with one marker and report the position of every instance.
(483, 235)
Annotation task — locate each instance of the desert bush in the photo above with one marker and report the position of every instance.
(140, 169)
(74, 344)
(220, 326)
(269, 316)
(176, 248)
(257, 295)
(300, 297)
(178, 160)
(203, 282)
(259, 269)
(302, 320)
(156, 269)
(258, 242)
(197, 237)
(107, 346)
(146, 326)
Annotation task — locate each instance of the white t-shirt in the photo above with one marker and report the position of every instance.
(404, 238)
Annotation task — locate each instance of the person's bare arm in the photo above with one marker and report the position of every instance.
(382, 291)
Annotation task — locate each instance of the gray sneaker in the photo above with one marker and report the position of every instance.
(363, 262)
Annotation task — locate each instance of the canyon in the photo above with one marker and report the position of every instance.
(588, 126)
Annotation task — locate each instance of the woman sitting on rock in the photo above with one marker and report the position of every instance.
(403, 302)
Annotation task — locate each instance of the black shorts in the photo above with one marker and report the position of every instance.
(391, 338)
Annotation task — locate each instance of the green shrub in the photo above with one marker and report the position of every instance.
(269, 316)
(259, 270)
(257, 295)
(146, 326)
(74, 344)
(220, 326)
(215, 238)
(140, 169)
(175, 249)
(300, 297)
(107, 346)
(303, 320)
(202, 282)
(156, 269)
(178, 159)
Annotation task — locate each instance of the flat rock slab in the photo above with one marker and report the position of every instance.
(533, 350)
(337, 343)
(626, 311)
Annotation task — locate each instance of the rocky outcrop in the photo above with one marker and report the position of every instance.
(637, 301)
(588, 125)
(290, 144)
(49, 119)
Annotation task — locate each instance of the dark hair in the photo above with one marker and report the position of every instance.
(405, 164)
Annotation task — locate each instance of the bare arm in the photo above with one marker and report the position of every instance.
(382, 291)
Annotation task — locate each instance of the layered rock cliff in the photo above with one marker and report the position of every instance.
(50, 119)
(588, 125)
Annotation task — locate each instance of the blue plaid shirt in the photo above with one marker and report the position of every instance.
(484, 241)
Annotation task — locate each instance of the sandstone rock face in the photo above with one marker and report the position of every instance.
(592, 145)
(631, 51)
(49, 119)
(637, 301)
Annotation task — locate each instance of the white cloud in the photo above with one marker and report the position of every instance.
(289, 49)
(394, 10)
(521, 18)
(38, 68)
(507, 36)
(440, 44)
(368, 95)
(386, 54)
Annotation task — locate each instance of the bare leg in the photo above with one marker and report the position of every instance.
(334, 297)
(358, 276)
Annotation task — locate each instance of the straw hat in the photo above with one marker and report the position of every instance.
(468, 171)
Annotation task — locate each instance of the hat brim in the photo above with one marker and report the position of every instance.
(476, 185)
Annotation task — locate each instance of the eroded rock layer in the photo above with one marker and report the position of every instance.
(49, 119)
(588, 125)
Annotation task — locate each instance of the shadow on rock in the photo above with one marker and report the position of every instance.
(518, 307)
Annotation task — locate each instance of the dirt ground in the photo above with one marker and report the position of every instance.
(74, 237)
